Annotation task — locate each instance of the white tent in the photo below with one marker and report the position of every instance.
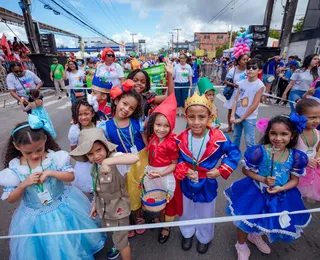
(81, 55)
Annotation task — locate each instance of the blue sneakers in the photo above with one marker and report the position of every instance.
(113, 253)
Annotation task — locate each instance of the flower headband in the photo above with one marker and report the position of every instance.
(117, 91)
(297, 120)
(34, 123)
(92, 100)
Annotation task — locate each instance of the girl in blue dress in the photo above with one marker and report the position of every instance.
(38, 110)
(35, 171)
(273, 170)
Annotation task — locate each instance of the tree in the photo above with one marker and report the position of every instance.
(219, 50)
(274, 34)
(298, 26)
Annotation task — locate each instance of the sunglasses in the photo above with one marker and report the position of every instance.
(110, 55)
(18, 71)
(253, 67)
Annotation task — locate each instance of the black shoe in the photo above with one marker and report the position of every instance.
(186, 243)
(59, 97)
(202, 248)
(67, 94)
(161, 238)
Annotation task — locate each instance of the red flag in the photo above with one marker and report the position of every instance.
(5, 44)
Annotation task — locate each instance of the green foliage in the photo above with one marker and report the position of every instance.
(219, 50)
(298, 26)
(274, 34)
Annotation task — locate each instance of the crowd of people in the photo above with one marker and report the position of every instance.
(134, 168)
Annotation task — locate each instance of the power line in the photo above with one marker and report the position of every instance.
(105, 13)
(117, 14)
(104, 3)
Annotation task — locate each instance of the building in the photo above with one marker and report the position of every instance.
(100, 42)
(308, 40)
(209, 41)
(182, 46)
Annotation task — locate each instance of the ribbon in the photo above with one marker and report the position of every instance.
(117, 91)
(299, 121)
(35, 123)
(92, 100)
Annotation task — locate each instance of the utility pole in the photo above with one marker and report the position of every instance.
(29, 27)
(133, 47)
(177, 39)
(268, 13)
(230, 41)
(172, 34)
(287, 23)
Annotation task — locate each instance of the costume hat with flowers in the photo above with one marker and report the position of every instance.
(169, 109)
(197, 100)
(204, 85)
(87, 138)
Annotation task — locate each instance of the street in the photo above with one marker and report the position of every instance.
(146, 246)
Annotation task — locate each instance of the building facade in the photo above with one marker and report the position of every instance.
(209, 41)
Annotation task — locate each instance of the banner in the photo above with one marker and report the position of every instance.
(5, 44)
(199, 53)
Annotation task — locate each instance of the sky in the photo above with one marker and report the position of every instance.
(151, 20)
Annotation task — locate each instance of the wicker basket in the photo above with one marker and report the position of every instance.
(160, 197)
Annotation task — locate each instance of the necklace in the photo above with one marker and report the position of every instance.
(271, 156)
(310, 147)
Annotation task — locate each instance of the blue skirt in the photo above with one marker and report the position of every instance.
(70, 212)
(245, 198)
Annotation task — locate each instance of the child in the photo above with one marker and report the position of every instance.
(36, 170)
(201, 147)
(108, 172)
(89, 72)
(270, 189)
(163, 154)
(142, 86)
(205, 87)
(84, 117)
(127, 131)
(38, 110)
(245, 107)
(309, 142)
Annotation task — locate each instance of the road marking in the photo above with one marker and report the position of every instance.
(68, 104)
(53, 102)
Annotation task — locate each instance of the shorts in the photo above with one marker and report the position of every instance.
(266, 79)
(119, 238)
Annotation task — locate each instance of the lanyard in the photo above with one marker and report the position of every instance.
(40, 186)
(272, 156)
(121, 133)
(194, 163)
(94, 177)
(313, 139)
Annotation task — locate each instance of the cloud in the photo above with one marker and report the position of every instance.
(77, 3)
(143, 14)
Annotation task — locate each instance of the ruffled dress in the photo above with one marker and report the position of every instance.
(160, 156)
(309, 185)
(248, 197)
(69, 210)
(82, 170)
(42, 113)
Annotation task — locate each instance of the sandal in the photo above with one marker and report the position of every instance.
(131, 234)
(228, 130)
(140, 221)
(162, 238)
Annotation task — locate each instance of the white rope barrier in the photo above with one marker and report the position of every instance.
(284, 217)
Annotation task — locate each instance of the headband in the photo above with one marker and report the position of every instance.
(34, 123)
(92, 100)
(117, 91)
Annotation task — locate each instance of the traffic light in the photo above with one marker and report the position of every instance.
(260, 35)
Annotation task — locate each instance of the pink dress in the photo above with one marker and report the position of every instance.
(309, 185)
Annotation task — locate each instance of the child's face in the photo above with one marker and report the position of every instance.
(198, 118)
(280, 135)
(252, 71)
(99, 95)
(97, 153)
(210, 95)
(139, 82)
(161, 126)
(85, 115)
(125, 107)
(313, 116)
(34, 151)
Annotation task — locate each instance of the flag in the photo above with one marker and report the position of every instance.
(5, 44)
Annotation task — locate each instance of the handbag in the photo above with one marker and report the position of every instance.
(228, 89)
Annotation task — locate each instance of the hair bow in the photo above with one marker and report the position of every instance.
(92, 100)
(262, 124)
(35, 123)
(126, 86)
(299, 121)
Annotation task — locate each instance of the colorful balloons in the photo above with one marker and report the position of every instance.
(242, 43)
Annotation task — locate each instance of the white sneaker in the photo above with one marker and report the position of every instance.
(243, 252)
(259, 243)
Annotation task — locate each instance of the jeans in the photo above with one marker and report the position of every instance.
(248, 125)
(293, 96)
(181, 92)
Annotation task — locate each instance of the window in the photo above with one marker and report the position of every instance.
(219, 37)
(317, 47)
(207, 37)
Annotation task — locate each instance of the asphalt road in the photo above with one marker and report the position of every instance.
(146, 246)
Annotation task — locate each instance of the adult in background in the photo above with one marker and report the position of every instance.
(109, 72)
(302, 79)
(57, 75)
(234, 76)
(224, 68)
(76, 79)
(195, 72)
(182, 74)
(20, 82)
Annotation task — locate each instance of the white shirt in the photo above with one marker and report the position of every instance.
(181, 73)
(111, 73)
(23, 84)
(75, 79)
(303, 79)
(196, 145)
(248, 91)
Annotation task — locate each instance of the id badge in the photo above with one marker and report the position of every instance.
(310, 153)
(45, 197)
(196, 180)
(134, 150)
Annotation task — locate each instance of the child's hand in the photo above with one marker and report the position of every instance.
(105, 167)
(237, 121)
(33, 178)
(93, 212)
(270, 181)
(232, 119)
(191, 175)
(154, 174)
(45, 174)
(168, 65)
(313, 163)
(310, 92)
(213, 174)
(275, 189)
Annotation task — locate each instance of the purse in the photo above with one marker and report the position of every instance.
(228, 90)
